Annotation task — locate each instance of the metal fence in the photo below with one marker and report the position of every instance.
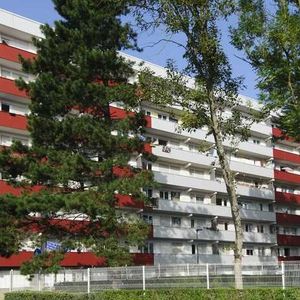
(282, 274)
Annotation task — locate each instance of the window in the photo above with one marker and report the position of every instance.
(256, 141)
(163, 117)
(5, 107)
(148, 192)
(226, 226)
(171, 119)
(219, 201)
(176, 221)
(287, 252)
(175, 195)
(249, 251)
(193, 249)
(148, 113)
(162, 142)
(248, 227)
(147, 248)
(146, 165)
(199, 198)
(13, 74)
(148, 219)
(192, 223)
(261, 206)
(260, 228)
(169, 195)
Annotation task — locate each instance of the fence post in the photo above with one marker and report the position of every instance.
(11, 280)
(88, 280)
(207, 276)
(158, 270)
(283, 275)
(188, 269)
(144, 279)
(39, 281)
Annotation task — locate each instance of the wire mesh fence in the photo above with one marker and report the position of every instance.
(282, 274)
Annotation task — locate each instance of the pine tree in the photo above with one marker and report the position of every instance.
(81, 147)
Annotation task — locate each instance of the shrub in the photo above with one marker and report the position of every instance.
(171, 294)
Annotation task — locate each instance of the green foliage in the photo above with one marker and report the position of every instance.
(171, 294)
(269, 35)
(80, 148)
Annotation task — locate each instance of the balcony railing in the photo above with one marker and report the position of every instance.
(287, 198)
(213, 210)
(211, 235)
(8, 87)
(198, 159)
(287, 219)
(13, 121)
(286, 156)
(210, 259)
(198, 184)
(288, 240)
(287, 177)
(12, 54)
(199, 134)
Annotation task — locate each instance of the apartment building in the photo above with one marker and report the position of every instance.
(190, 216)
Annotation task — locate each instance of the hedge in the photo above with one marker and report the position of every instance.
(172, 294)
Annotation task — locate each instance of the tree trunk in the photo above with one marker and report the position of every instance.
(232, 195)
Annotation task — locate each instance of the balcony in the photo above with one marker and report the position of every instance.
(12, 54)
(210, 259)
(199, 134)
(286, 177)
(210, 235)
(128, 202)
(198, 159)
(213, 210)
(288, 240)
(277, 133)
(143, 259)
(211, 186)
(13, 121)
(287, 219)
(71, 259)
(287, 198)
(286, 156)
(8, 87)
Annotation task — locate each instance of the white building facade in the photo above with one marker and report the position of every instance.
(190, 215)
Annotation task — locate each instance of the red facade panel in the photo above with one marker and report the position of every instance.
(287, 198)
(7, 86)
(143, 259)
(287, 219)
(128, 201)
(5, 188)
(13, 121)
(288, 240)
(288, 258)
(286, 156)
(12, 54)
(286, 177)
(73, 259)
(277, 133)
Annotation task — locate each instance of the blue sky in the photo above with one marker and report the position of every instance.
(43, 11)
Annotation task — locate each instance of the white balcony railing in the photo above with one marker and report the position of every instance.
(210, 259)
(213, 210)
(199, 134)
(200, 160)
(211, 235)
(198, 184)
